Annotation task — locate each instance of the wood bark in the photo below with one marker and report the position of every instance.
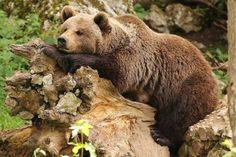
(232, 65)
(53, 100)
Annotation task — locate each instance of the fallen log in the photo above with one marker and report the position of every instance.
(54, 100)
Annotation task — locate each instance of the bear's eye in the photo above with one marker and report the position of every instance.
(79, 33)
(64, 30)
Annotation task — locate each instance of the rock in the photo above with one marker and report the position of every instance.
(120, 7)
(66, 83)
(10, 102)
(68, 104)
(184, 17)
(86, 83)
(175, 15)
(157, 20)
(51, 94)
(203, 138)
(47, 80)
(37, 79)
(46, 25)
(51, 9)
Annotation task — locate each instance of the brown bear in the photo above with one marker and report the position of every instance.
(163, 70)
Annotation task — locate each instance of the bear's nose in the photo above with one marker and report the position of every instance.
(61, 41)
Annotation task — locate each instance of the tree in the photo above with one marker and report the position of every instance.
(231, 4)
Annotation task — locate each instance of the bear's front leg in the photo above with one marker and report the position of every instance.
(78, 60)
(71, 62)
(60, 57)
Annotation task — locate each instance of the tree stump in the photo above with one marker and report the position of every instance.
(54, 100)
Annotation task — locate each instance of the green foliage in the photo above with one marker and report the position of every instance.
(218, 55)
(229, 145)
(221, 75)
(80, 127)
(221, 4)
(161, 3)
(140, 11)
(87, 146)
(17, 31)
(83, 128)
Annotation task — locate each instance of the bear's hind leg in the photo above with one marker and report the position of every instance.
(197, 98)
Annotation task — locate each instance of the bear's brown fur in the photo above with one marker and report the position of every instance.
(163, 70)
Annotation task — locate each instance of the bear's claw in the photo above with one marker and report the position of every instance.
(158, 137)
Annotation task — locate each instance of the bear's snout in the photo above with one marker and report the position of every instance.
(61, 42)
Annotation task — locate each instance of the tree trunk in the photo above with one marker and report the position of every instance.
(54, 100)
(232, 65)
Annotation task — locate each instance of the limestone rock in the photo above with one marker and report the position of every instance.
(37, 79)
(51, 9)
(157, 20)
(50, 94)
(47, 80)
(66, 83)
(174, 15)
(203, 138)
(10, 102)
(184, 17)
(69, 103)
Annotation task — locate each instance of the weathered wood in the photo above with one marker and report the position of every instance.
(120, 126)
(232, 65)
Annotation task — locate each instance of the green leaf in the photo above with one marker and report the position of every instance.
(233, 150)
(228, 154)
(80, 126)
(227, 143)
(77, 147)
(92, 150)
(75, 130)
(72, 143)
(140, 11)
(86, 128)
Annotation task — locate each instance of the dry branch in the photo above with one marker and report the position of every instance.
(55, 100)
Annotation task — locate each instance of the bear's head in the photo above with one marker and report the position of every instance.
(84, 33)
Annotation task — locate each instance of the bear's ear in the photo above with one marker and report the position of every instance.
(67, 12)
(101, 19)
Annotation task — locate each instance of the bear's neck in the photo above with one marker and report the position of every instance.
(119, 38)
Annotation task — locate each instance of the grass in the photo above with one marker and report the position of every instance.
(15, 30)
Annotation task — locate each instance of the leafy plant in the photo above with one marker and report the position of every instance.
(229, 145)
(83, 128)
(17, 31)
(140, 11)
(161, 3)
(218, 55)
